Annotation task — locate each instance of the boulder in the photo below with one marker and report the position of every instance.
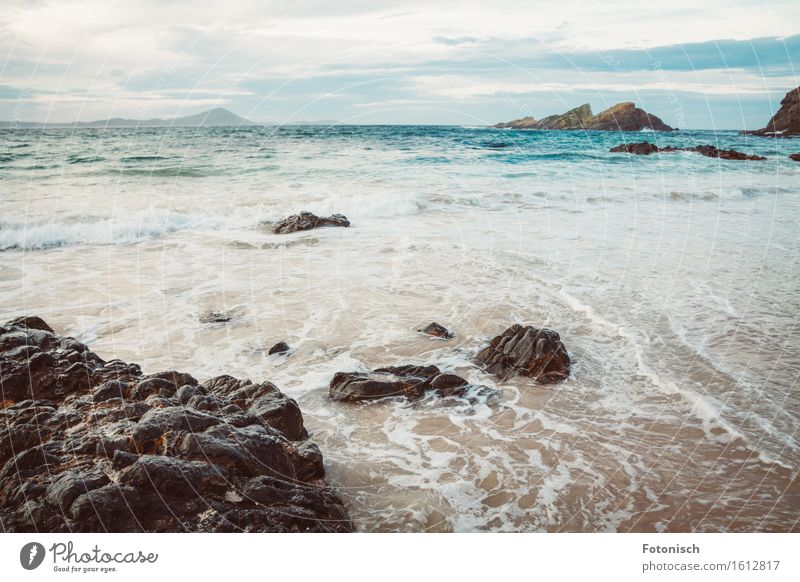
(94, 446)
(642, 148)
(279, 348)
(526, 351)
(410, 382)
(795, 157)
(436, 330)
(307, 221)
(786, 121)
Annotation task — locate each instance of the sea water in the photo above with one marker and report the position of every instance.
(673, 281)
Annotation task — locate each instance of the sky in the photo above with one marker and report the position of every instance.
(715, 64)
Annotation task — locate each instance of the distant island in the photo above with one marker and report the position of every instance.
(621, 117)
(217, 117)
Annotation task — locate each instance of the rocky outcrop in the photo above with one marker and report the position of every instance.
(642, 148)
(526, 351)
(786, 122)
(88, 445)
(436, 330)
(645, 149)
(410, 382)
(620, 117)
(307, 221)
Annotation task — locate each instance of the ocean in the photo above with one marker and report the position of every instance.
(673, 281)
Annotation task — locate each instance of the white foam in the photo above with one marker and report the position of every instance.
(102, 230)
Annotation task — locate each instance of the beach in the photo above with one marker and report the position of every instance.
(671, 279)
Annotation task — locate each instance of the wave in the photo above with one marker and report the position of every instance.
(169, 172)
(96, 230)
(144, 158)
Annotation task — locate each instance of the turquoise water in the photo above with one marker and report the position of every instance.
(672, 280)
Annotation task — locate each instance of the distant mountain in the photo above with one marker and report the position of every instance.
(621, 117)
(217, 117)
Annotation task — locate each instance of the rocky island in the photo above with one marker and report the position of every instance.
(621, 117)
(786, 122)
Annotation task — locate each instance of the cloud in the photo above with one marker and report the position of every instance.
(268, 61)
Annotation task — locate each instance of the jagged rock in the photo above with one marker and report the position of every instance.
(307, 221)
(99, 446)
(527, 351)
(437, 330)
(712, 152)
(279, 348)
(786, 122)
(411, 382)
(621, 117)
(645, 149)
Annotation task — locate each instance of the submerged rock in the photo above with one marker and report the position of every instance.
(436, 330)
(411, 382)
(215, 317)
(645, 149)
(621, 117)
(527, 351)
(89, 446)
(307, 221)
(786, 122)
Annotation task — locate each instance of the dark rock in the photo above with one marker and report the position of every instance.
(150, 386)
(307, 221)
(527, 351)
(786, 122)
(71, 484)
(645, 149)
(712, 152)
(411, 382)
(281, 413)
(642, 148)
(30, 322)
(437, 330)
(174, 477)
(108, 390)
(621, 117)
(93, 446)
(795, 157)
(185, 393)
(279, 348)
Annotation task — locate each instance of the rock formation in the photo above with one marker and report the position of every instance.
(307, 221)
(91, 446)
(526, 351)
(620, 117)
(644, 148)
(786, 122)
(436, 330)
(411, 382)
